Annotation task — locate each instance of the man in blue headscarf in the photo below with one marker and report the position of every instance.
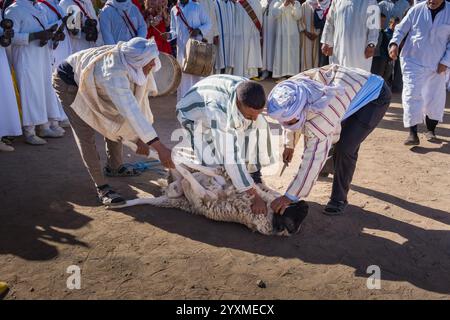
(314, 103)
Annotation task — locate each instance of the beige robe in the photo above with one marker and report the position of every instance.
(107, 101)
(309, 50)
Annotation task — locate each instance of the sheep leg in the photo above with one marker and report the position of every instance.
(162, 201)
(195, 185)
(211, 172)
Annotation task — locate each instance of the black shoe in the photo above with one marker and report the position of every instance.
(109, 197)
(412, 140)
(292, 218)
(335, 208)
(257, 177)
(431, 137)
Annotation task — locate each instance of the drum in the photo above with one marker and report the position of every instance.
(168, 77)
(200, 58)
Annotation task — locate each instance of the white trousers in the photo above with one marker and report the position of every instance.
(424, 94)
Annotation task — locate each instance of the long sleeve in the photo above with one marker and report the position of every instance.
(205, 22)
(142, 26)
(302, 21)
(20, 38)
(313, 159)
(106, 28)
(118, 89)
(277, 9)
(402, 29)
(446, 59)
(296, 10)
(373, 16)
(234, 165)
(225, 143)
(173, 24)
(328, 30)
(291, 138)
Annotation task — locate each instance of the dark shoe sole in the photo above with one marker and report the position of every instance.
(412, 142)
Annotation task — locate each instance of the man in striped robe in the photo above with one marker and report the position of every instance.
(221, 115)
(314, 103)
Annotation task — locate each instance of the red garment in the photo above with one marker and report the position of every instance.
(163, 45)
(138, 4)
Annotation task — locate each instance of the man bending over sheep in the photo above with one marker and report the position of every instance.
(314, 103)
(223, 125)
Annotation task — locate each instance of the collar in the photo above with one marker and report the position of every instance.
(442, 6)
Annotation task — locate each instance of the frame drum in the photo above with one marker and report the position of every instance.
(168, 77)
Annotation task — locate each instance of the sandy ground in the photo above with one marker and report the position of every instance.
(399, 220)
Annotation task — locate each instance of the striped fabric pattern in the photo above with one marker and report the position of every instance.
(225, 136)
(322, 129)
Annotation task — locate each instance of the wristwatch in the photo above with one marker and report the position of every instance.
(370, 45)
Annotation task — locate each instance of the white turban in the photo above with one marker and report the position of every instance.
(293, 99)
(122, 5)
(137, 53)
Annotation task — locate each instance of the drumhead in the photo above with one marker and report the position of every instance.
(169, 76)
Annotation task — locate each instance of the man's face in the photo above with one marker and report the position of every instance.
(434, 4)
(392, 25)
(148, 67)
(248, 112)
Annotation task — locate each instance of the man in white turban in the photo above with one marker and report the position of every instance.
(314, 103)
(106, 89)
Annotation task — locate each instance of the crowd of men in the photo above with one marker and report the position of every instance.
(72, 63)
(255, 39)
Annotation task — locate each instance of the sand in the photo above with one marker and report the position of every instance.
(398, 220)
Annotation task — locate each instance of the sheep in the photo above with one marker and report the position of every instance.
(210, 192)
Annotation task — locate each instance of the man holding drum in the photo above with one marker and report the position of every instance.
(106, 89)
(188, 19)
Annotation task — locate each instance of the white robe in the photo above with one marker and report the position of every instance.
(9, 112)
(78, 42)
(309, 50)
(393, 9)
(196, 18)
(286, 61)
(210, 8)
(32, 64)
(64, 48)
(113, 26)
(226, 24)
(427, 44)
(247, 57)
(347, 31)
(269, 33)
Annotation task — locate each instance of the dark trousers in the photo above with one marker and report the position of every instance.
(382, 67)
(355, 130)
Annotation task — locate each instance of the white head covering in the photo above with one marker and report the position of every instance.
(124, 5)
(137, 53)
(293, 99)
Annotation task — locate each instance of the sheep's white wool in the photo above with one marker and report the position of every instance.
(221, 201)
